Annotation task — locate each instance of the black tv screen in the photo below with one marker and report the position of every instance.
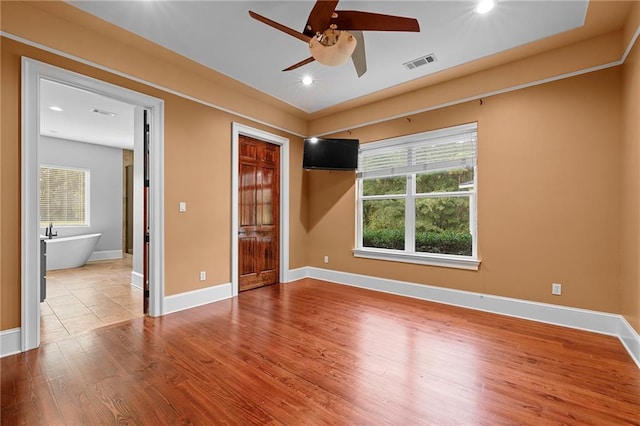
(330, 154)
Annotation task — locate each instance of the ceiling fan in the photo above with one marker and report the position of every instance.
(335, 35)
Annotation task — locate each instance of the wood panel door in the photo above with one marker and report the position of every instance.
(259, 210)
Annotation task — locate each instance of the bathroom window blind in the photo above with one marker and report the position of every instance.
(63, 196)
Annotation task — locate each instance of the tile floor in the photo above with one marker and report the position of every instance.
(82, 299)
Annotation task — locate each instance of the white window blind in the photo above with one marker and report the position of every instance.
(451, 148)
(63, 196)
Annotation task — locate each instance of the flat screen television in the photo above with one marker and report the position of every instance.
(330, 154)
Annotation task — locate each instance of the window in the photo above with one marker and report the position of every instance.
(417, 198)
(64, 196)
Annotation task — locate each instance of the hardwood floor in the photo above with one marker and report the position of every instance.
(85, 298)
(312, 352)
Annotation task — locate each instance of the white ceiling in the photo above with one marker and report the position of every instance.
(221, 35)
(78, 122)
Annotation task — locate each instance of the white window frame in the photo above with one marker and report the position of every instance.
(409, 255)
(87, 195)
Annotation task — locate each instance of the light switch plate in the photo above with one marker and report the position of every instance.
(183, 206)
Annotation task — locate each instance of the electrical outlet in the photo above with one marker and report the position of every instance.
(326, 259)
(203, 275)
(556, 289)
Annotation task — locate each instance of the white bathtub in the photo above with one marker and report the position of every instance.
(70, 252)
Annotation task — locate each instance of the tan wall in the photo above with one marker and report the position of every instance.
(9, 191)
(548, 195)
(197, 170)
(630, 280)
(632, 23)
(549, 177)
(550, 64)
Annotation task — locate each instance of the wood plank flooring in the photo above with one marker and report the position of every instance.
(311, 352)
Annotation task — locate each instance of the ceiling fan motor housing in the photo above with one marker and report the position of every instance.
(334, 46)
(333, 49)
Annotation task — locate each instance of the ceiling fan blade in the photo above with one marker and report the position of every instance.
(319, 17)
(359, 56)
(299, 64)
(356, 20)
(280, 27)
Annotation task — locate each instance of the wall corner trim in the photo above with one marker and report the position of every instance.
(297, 274)
(192, 299)
(630, 339)
(136, 279)
(10, 342)
(581, 319)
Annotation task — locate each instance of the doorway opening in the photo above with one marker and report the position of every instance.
(34, 135)
(88, 202)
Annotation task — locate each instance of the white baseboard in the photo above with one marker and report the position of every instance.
(594, 321)
(105, 255)
(583, 319)
(136, 279)
(10, 342)
(191, 299)
(630, 339)
(297, 274)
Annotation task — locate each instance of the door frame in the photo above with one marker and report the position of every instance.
(241, 129)
(32, 72)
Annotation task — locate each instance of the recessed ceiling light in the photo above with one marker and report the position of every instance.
(55, 108)
(485, 6)
(307, 80)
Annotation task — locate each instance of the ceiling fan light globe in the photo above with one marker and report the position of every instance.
(336, 54)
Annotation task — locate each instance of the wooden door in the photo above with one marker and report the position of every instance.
(259, 211)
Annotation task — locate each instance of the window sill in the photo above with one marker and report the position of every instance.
(443, 260)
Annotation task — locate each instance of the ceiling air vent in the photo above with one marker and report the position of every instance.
(424, 60)
(103, 112)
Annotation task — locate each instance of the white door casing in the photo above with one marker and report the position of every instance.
(32, 72)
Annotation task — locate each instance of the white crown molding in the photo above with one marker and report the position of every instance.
(352, 127)
(494, 92)
(633, 40)
(141, 80)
